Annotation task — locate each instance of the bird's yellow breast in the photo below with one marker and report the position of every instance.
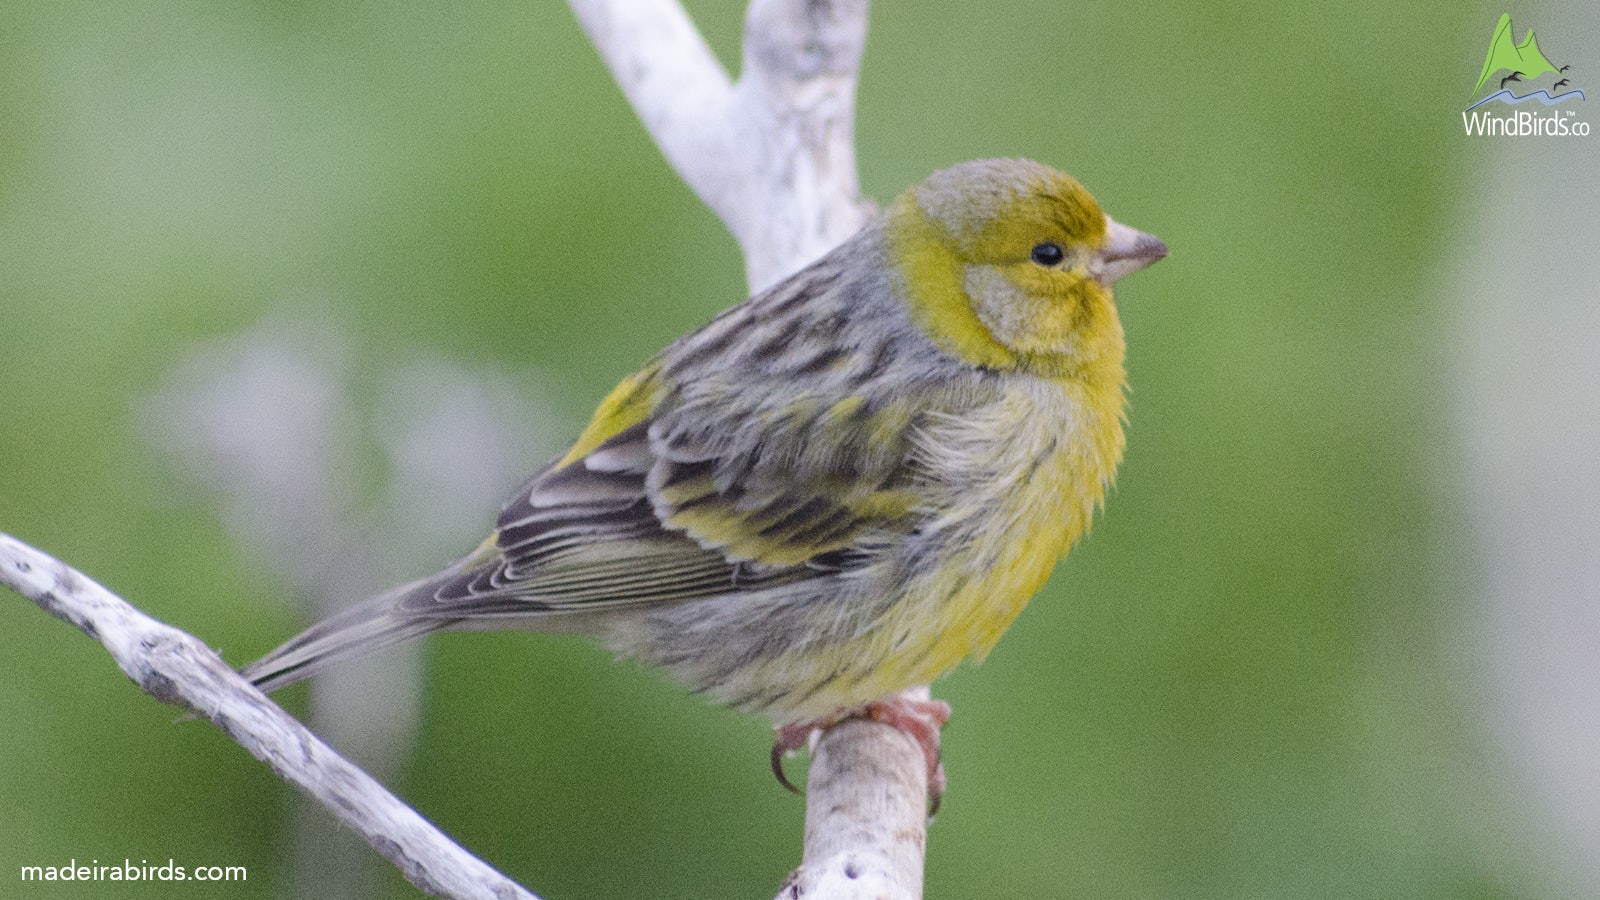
(1037, 464)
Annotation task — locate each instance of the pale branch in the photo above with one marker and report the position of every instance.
(773, 155)
(866, 814)
(177, 668)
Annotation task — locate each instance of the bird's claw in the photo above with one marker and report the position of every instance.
(920, 720)
(792, 737)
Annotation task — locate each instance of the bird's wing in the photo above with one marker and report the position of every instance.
(671, 494)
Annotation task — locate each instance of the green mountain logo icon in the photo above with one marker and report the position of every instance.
(1522, 59)
(1520, 73)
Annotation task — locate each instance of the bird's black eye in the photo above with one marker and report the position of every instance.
(1048, 254)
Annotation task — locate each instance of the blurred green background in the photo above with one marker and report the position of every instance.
(1256, 679)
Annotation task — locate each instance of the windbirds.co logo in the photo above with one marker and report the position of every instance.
(1523, 66)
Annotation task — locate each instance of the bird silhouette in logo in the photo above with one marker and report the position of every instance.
(1563, 68)
(1514, 76)
(1560, 83)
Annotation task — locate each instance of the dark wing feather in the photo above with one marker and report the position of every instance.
(586, 537)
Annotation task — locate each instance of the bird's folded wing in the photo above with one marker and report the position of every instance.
(691, 501)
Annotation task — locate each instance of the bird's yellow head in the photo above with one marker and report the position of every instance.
(1008, 264)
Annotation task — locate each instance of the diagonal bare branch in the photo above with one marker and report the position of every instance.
(177, 668)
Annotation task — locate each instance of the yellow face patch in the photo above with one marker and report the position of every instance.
(1063, 213)
(995, 266)
(933, 278)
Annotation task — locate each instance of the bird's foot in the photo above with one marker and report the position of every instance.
(920, 720)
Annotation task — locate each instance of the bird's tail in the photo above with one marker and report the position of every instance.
(372, 625)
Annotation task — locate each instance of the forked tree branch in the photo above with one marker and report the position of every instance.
(773, 155)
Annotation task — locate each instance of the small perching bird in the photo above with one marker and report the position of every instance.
(837, 489)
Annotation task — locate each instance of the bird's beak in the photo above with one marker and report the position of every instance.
(1127, 250)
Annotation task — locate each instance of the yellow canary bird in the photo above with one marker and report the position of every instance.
(838, 488)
